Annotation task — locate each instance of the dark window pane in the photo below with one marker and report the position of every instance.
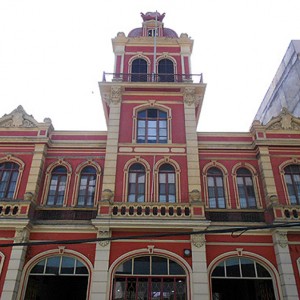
(159, 266)
(39, 267)
(219, 270)
(67, 265)
(232, 267)
(248, 269)
(261, 271)
(141, 265)
(52, 266)
(125, 268)
(175, 268)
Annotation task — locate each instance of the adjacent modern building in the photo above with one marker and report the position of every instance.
(151, 208)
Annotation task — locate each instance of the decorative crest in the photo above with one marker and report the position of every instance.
(152, 16)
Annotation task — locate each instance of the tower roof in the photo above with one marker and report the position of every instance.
(151, 17)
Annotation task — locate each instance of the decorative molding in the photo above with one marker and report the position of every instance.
(116, 94)
(190, 97)
(198, 240)
(21, 235)
(103, 233)
(18, 118)
(285, 121)
(282, 239)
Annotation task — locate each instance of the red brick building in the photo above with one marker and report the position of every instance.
(168, 202)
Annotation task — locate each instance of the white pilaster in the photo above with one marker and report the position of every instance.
(285, 268)
(200, 288)
(15, 266)
(100, 281)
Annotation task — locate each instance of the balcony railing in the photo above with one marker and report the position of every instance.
(286, 213)
(236, 216)
(152, 210)
(143, 77)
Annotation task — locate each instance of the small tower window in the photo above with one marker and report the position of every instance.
(166, 70)
(151, 32)
(139, 70)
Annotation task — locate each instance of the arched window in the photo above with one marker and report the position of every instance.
(245, 188)
(165, 70)
(136, 183)
(292, 180)
(8, 178)
(87, 185)
(241, 278)
(167, 184)
(152, 126)
(58, 277)
(139, 70)
(148, 278)
(215, 187)
(57, 187)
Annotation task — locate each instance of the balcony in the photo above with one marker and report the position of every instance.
(15, 208)
(152, 210)
(142, 77)
(286, 213)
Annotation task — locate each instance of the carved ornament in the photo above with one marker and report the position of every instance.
(116, 94)
(198, 240)
(285, 121)
(104, 233)
(282, 239)
(18, 118)
(190, 97)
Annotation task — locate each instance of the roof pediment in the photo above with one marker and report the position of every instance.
(18, 118)
(285, 121)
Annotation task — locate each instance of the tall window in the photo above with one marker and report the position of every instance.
(165, 70)
(87, 186)
(139, 70)
(136, 183)
(292, 179)
(215, 185)
(152, 126)
(245, 188)
(167, 186)
(57, 186)
(8, 178)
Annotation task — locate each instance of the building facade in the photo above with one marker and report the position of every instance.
(151, 208)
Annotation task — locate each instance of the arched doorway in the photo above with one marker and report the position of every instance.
(166, 70)
(241, 278)
(149, 278)
(57, 277)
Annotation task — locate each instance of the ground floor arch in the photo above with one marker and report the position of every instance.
(148, 277)
(57, 277)
(241, 278)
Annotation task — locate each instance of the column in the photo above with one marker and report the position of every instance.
(266, 171)
(109, 172)
(100, 284)
(191, 140)
(15, 266)
(200, 288)
(33, 183)
(285, 268)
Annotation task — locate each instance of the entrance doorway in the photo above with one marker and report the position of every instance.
(241, 278)
(59, 278)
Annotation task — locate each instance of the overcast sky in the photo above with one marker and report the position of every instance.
(53, 53)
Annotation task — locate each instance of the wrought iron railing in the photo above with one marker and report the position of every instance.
(143, 77)
(237, 216)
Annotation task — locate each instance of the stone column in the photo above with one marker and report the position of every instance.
(285, 268)
(15, 266)
(33, 183)
(110, 165)
(100, 284)
(200, 288)
(266, 171)
(193, 166)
